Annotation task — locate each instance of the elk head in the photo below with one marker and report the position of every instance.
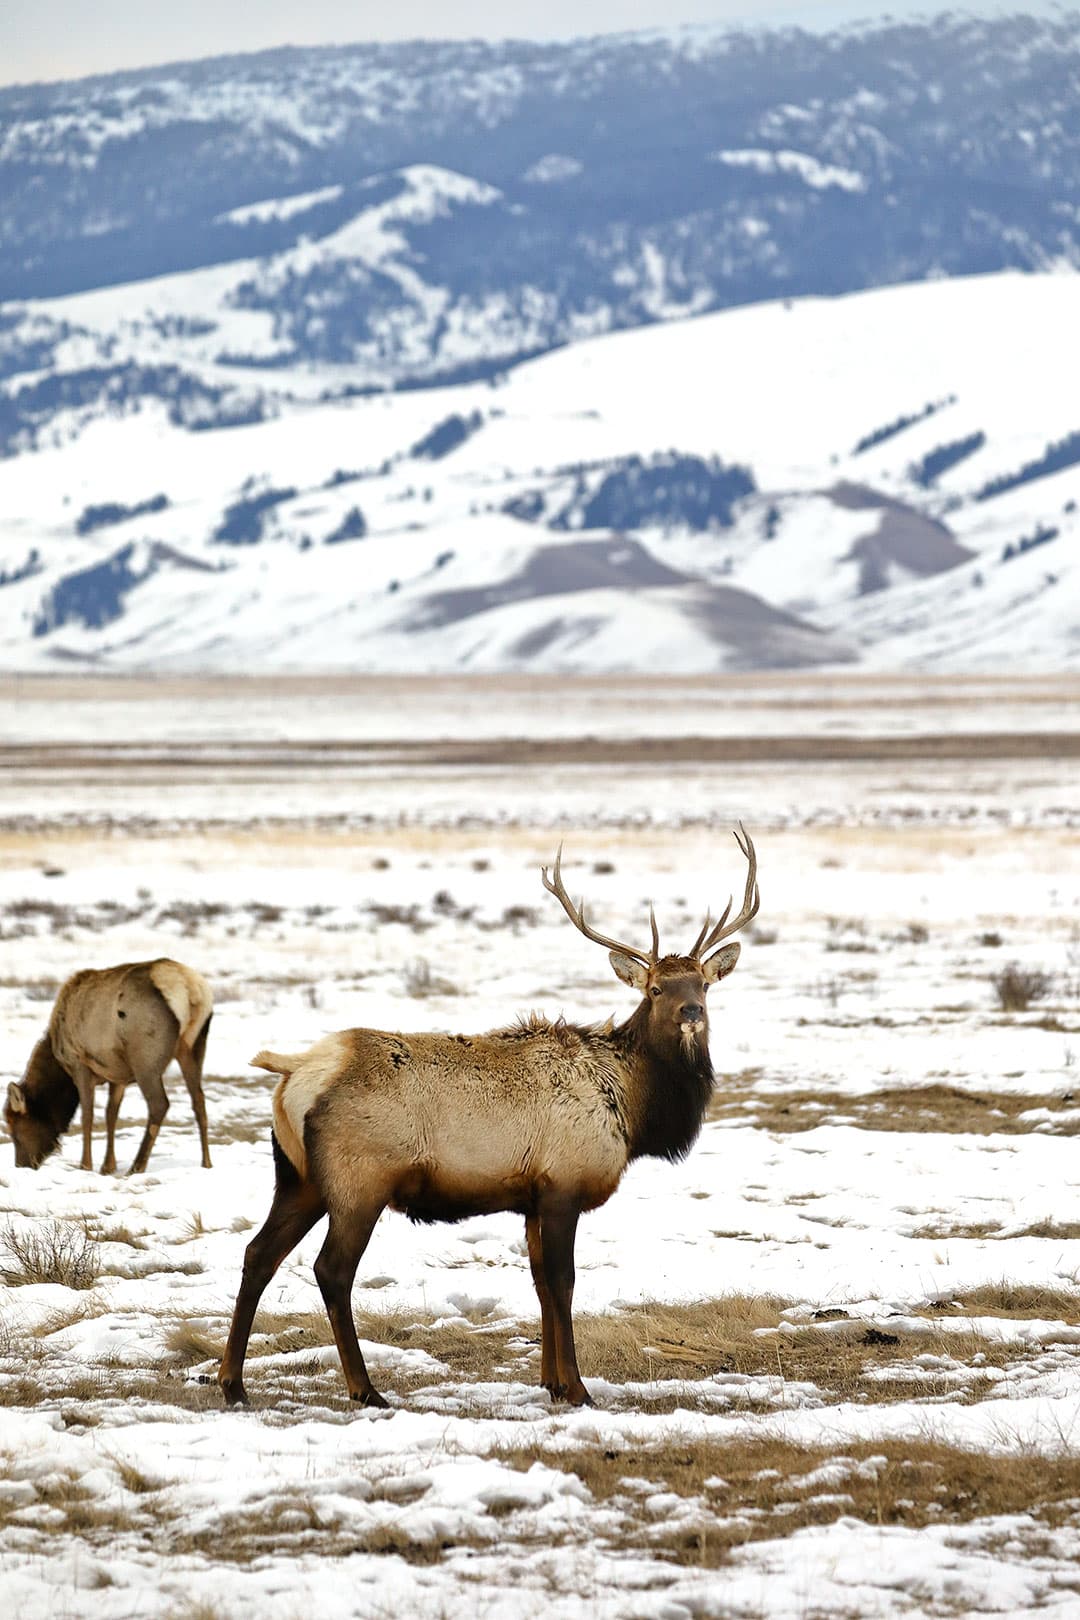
(33, 1138)
(673, 987)
(38, 1109)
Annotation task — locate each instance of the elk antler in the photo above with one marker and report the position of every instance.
(576, 914)
(751, 901)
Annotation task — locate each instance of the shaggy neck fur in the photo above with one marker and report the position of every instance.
(50, 1093)
(673, 1084)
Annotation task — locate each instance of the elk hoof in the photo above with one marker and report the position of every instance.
(234, 1392)
(370, 1397)
(578, 1396)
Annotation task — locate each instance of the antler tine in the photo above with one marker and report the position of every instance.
(655, 935)
(702, 943)
(557, 887)
(751, 897)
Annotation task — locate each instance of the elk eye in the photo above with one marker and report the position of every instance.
(655, 991)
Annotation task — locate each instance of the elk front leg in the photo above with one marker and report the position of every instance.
(157, 1106)
(558, 1227)
(294, 1211)
(84, 1085)
(335, 1270)
(548, 1377)
(112, 1113)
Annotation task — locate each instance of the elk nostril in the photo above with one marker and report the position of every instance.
(691, 1012)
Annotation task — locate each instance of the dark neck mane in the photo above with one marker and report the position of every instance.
(671, 1091)
(48, 1088)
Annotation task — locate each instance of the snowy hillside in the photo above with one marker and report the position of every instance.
(598, 184)
(890, 477)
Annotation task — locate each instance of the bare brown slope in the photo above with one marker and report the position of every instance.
(759, 635)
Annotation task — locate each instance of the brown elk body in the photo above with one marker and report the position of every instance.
(112, 1026)
(540, 1119)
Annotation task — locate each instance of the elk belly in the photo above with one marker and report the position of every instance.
(428, 1193)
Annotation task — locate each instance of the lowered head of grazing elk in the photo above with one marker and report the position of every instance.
(541, 1119)
(112, 1026)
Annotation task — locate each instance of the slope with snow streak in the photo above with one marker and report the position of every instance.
(834, 406)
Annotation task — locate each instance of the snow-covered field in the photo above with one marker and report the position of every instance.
(834, 1354)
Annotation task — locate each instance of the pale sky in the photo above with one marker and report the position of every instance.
(59, 39)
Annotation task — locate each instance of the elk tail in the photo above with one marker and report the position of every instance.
(277, 1062)
(187, 996)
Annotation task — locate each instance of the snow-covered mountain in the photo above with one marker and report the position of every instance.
(547, 356)
(889, 477)
(435, 209)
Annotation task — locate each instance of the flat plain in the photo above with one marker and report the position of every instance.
(834, 1353)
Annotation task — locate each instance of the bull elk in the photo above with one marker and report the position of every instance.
(540, 1119)
(112, 1026)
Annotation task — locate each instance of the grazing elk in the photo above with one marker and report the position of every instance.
(541, 1118)
(112, 1026)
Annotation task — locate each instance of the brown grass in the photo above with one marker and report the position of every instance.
(292, 1522)
(958, 1229)
(760, 1488)
(731, 1492)
(940, 1108)
(1022, 1301)
(674, 1351)
(657, 1357)
(993, 1231)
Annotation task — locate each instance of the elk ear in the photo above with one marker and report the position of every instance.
(720, 965)
(16, 1099)
(629, 971)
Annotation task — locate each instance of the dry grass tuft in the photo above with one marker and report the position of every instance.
(640, 1344)
(1017, 1300)
(198, 1611)
(189, 1344)
(1017, 987)
(419, 981)
(1061, 1231)
(958, 1229)
(132, 1477)
(63, 1252)
(993, 1231)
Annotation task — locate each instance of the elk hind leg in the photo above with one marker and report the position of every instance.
(335, 1269)
(157, 1106)
(296, 1207)
(190, 1059)
(548, 1373)
(558, 1227)
(112, 1114)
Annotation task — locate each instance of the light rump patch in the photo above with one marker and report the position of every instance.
(305, 1077)
(186, 993)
